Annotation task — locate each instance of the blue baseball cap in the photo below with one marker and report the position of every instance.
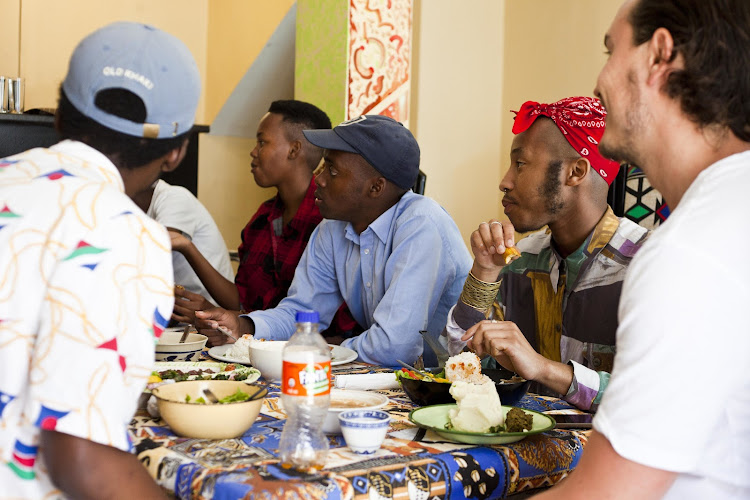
(385, 143)
(150, 63)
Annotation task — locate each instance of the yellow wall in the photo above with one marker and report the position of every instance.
(9, 29)
(50, 31)
(553, 50)
(457, 89)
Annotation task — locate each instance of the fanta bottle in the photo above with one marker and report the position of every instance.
(305, 394)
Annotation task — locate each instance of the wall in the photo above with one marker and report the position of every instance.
(457, 86)
(553, 50)
(51, 30)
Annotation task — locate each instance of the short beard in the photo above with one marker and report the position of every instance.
(626, 152)
(551, 188)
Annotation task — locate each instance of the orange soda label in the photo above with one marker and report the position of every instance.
(306, 379)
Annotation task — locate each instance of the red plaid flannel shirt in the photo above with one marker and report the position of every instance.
(268, 261)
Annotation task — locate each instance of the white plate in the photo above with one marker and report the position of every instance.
(339, 355)
(220, 352)
(186, 366)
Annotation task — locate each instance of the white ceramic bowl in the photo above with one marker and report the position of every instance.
(266, 357)
(169, 348)
(208, 421)
(349, 399)
(364, 430)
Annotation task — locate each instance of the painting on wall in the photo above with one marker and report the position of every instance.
(379, 73)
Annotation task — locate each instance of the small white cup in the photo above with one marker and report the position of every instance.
(364, 430)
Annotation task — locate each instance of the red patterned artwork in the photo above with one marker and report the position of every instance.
(379, 58)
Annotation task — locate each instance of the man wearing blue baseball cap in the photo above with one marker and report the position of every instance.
(395, 257)
(87, 276)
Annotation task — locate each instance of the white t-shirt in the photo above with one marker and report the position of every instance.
(85, 283)
(683, 315)
(176, 207)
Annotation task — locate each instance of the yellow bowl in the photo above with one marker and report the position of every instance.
(208, 421)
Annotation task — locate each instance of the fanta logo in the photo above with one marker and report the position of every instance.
(312, 376)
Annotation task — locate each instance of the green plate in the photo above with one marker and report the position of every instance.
(435, 417)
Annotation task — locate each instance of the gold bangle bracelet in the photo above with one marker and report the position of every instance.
(479, 294)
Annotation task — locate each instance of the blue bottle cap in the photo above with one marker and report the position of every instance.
(307, 317)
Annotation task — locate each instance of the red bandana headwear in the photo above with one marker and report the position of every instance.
(581, 120)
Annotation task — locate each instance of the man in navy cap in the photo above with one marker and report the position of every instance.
(395, 257)
(86, 276)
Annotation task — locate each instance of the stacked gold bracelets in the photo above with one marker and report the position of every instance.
(479, 294)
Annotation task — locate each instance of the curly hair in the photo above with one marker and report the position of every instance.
(713, 38)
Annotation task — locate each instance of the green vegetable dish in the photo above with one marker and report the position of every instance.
(237, 397)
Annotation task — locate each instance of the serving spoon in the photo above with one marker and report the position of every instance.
(415, 370)
(212, 397)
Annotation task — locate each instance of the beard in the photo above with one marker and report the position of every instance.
(624, 148)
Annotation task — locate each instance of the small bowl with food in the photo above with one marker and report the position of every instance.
(350, 399)
(190, 412)
(169, 347)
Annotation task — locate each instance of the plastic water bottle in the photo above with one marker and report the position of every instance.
(305, 394)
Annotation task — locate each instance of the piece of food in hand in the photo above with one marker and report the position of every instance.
(517, 420)
(464, 367)
(509, 254)
(478, 407)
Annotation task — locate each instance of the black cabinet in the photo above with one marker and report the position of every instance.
(25, 131)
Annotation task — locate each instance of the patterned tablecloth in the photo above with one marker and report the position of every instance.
(412, 463)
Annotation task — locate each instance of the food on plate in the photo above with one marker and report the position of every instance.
(478, 407)
(509, 254)
(429, 377)
(240, 350)
(230, 372)
(465, 367)
(518, 421)
(238, 396)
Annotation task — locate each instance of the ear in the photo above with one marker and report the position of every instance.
(661, 56)
(377, 187)
(295, 150)
(174, 157)
(577, 172)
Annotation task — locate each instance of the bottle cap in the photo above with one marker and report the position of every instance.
(307, 317)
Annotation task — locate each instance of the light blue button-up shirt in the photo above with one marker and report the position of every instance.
(401, 275)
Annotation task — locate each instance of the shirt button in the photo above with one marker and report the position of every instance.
(367, 251)
(367, 284)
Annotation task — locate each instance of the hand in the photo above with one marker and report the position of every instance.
(209, 320)
(186, 304)
(179, 242)
(488, 243)
(504, 341)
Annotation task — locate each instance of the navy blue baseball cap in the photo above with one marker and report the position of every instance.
(152, 64)
(385, 143)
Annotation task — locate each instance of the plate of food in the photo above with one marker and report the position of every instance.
(517, 424)
(202, 370)
(239, 352)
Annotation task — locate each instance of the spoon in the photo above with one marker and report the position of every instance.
(185, 334)
(226, 332)
(415, 370)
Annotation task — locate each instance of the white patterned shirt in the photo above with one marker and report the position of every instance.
(85, 286)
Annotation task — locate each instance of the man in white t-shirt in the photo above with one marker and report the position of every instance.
(675, 420)
(178, 210)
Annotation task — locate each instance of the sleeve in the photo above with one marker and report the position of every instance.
(175, 207)
(104, 303)
(417, 273)
(587, 387)
(314, 287)
(680, 340)
(461, 317)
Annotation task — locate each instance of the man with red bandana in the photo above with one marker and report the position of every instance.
(552, 312)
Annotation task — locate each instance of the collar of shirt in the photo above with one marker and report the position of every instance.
(584, 255)
(382, 225)
(102, 167)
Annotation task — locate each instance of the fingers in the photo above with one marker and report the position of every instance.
(181, 292)
(181, 319)
(215, 337)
